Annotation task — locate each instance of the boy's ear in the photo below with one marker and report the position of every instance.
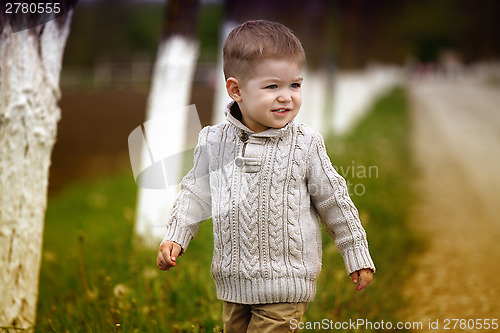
(233, 89)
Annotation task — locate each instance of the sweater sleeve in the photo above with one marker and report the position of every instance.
(335, 208)
(193, 203)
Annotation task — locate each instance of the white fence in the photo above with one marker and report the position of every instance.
(356, 91)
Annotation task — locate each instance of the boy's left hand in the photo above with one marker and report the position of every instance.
(363, 276)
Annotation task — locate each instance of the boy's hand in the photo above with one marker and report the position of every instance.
(168, 253)
(365, 275)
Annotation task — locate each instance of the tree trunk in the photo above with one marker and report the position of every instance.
(30, 65)
(170, 92)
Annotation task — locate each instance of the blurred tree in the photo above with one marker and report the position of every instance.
(210, 19)
(114, 29)
(30, 64)
(391, 30)
(352, 32)
(170, 91)
(480, 31)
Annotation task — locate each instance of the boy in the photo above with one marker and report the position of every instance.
(264, 179)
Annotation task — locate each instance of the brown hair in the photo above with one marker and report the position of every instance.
(256, 40)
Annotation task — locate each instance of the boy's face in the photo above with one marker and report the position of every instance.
(271, 95)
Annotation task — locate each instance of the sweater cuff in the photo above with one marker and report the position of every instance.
(181, 236)
(358, 258)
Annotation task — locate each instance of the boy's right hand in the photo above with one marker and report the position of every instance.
(168, 252)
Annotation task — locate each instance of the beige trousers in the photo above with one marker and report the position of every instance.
(261, 318)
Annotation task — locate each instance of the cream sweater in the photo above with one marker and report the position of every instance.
(264, 192)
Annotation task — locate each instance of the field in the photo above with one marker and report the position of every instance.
(94, 278)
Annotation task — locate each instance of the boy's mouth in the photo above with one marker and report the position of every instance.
(281, 110)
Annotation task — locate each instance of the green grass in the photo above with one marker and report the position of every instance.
(93, 278)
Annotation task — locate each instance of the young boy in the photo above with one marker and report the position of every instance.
(264, 179)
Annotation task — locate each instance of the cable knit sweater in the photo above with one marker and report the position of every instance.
(264, 192)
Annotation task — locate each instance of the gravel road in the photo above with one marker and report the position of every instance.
(456, 139)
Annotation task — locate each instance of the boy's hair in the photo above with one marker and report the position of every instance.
(253, 41)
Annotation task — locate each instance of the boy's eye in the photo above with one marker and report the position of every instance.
(295, 85)
(272, 86)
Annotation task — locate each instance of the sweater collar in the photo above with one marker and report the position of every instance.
(233, 115)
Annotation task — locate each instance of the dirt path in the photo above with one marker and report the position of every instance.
(456, 138)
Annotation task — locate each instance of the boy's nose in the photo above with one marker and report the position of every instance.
(284, 98)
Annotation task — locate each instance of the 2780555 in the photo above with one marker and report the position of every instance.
(463, 324)
(32, 8)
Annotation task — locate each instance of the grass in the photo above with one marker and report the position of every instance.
(94, 280)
